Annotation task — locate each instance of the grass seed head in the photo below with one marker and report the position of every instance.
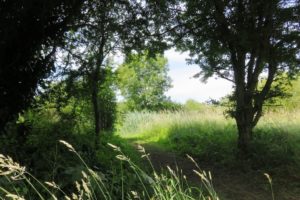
(141, 149)
(14, 197)
(268, 177)
(52, 184)
(122, 157)
(116, 148)
(69, 146)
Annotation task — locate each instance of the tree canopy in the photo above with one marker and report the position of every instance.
(29, 34)
(240, 41)
(107, 27)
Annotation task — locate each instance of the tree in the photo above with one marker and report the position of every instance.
(29, 34)
(240, 41)
(143, 81)
(108, 27)
(73, 93)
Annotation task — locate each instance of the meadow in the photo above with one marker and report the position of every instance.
(145, 157)
(210, 137)
(58, 160)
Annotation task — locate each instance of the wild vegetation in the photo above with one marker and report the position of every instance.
(205, 133)
(208, 136)
(94, 185)
(64, 134)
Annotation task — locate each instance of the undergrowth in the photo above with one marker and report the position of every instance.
(93, 185)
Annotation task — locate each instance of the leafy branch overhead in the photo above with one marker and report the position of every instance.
(241, 41)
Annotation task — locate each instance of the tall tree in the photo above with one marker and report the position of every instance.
(108, 27)
(240, 41)
(143, 81)
(30, 31)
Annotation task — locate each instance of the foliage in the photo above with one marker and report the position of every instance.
(106, 98)
(143, 81)
(71, 95)
(289, 100)
(34, 143)
(292, 102)
(107, 27)
(208, 136)
(239, 41)
(30, 32)
(170, 106)
(192, 105)
(93, 184)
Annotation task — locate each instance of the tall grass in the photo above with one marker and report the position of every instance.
(153, 126)
(207, 134)
(137, 124)
(92, 186)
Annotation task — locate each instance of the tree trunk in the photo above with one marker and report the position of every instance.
(244, 109)
(244, 120)
(244, 137)
(96, 112)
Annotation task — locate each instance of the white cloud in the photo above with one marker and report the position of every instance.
(186, 87)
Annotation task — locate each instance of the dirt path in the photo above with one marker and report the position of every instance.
(229, 184)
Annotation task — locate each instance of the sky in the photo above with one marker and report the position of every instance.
(186, 87)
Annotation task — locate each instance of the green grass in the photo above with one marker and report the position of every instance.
(205, 134)
(152, 126)
(93, 185)
(211, 138)
(51, 172)
(208, 135)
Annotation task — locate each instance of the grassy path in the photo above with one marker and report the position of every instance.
(209, 135)
(229, 184)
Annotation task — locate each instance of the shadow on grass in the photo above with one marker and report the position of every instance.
(272, 149)
(275, 150)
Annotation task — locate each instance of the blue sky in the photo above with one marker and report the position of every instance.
(186, 87)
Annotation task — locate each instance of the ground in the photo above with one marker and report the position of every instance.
(230, 184)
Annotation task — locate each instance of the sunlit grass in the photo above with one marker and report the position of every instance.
(152, 126)
(281, 118)
(209, 135)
